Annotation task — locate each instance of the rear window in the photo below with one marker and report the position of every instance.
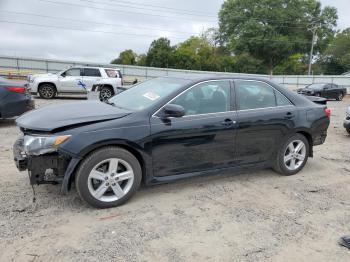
(94, 72)
(113, 73)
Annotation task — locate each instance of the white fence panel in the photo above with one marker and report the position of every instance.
(49, 65)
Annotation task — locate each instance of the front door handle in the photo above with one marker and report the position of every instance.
(289, 115)
(228, 122)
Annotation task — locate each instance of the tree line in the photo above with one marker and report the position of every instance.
(258, 37)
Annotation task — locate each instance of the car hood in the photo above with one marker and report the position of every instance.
(53, 117)
(48, 75)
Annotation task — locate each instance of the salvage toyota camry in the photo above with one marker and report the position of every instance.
(166, 129)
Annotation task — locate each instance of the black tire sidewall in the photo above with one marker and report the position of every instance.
(47, 85)
(340, 97)
(281, 168)
(108, 88)
(81, 179)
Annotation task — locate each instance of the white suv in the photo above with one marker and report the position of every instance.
(77, 80)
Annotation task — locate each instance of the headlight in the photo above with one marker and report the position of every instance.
(38, 145)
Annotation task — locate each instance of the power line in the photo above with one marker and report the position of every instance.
(83, 30)
(174, 17)
(162, 7)
(131, 34)
(92, 22)
(117, 10)
(119, 3)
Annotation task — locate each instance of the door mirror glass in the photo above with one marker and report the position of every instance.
(172, 110)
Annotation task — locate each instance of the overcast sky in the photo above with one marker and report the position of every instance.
(43, 28)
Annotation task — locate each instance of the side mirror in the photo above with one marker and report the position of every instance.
(172, 110)
(63, 74)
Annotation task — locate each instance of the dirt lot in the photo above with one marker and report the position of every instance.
(250, 216)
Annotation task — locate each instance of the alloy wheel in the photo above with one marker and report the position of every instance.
(47, 91)
(110, 180)
(105, 94)
(294, 155)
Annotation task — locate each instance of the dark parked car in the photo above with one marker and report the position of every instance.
(166, 129)
(324, 90)
(14, 99)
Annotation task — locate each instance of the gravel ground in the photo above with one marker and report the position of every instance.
(248, 216)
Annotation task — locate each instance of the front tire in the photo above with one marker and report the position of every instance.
(292, 156)
(47, 91)
(108, 177)
(348, 130)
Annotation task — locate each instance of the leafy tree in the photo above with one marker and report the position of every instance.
(141, 60)
(338, 51)
(294, 65)
(127, 57)
(195, 53)
(245, 63)
(273, 30)
(160, 53)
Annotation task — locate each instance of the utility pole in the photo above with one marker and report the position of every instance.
(314, 37)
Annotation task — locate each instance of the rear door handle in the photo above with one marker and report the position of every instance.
(289, 115)
(228, 122)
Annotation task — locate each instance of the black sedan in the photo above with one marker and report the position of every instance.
(14, 99)
(166, 129)
(330, 91)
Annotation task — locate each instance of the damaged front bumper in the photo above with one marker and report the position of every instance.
(47, 168)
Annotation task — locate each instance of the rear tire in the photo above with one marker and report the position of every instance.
(108, 177)
(47, 91)
(106, 93)
(340, 97)
(292, 155)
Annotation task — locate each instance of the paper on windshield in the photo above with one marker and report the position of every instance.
(151, 96)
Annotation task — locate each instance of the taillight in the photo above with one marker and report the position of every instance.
(328, 112)
(16, 89)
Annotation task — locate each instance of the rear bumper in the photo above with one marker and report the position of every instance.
(16, 107)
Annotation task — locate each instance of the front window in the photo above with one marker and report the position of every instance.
(205, 98)
(147, 93)
(72, 72)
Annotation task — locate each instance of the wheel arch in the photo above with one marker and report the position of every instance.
(47, 83)
(126, 145)
(308, 136)
(108, 86)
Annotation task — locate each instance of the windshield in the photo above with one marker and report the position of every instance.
(316, 86)
(147, 93)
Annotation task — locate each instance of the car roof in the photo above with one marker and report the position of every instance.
(95, 67)
(201, 78)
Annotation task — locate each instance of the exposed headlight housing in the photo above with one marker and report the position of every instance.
(38, 145)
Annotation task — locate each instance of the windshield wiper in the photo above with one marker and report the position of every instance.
(112, 104)
(109, 103)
